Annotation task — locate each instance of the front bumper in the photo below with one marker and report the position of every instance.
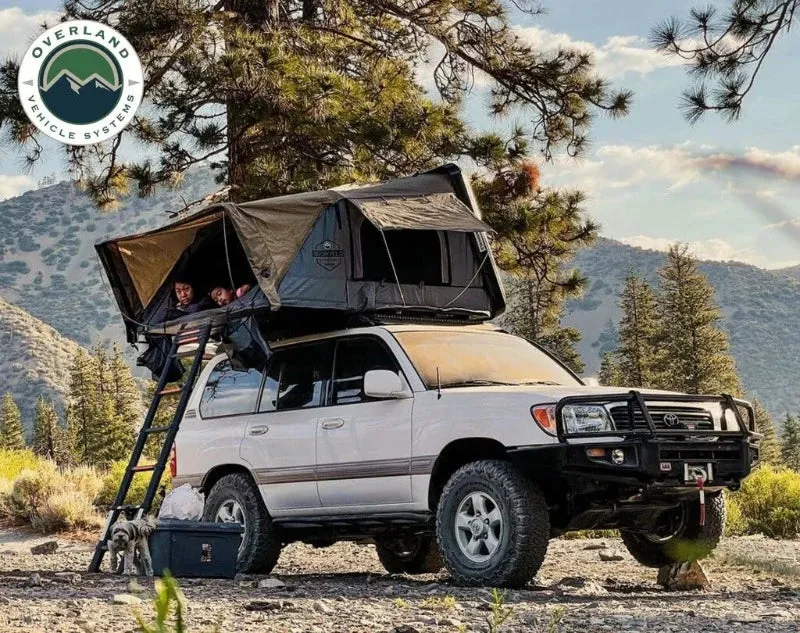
(651, 457)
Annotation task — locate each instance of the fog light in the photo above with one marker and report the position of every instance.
(618, 456)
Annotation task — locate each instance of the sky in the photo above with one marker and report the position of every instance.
(651, 178)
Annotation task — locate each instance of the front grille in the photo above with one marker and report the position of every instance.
(689, 418)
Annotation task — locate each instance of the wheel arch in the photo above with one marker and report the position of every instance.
(218, 472)
(455, 455)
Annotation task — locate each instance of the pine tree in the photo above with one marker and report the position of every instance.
(725, 47)
(610, 374)
(103, 407)
(770, 446)
(49, 439)
(637, 357)
(288, 95)
(696, 351)
(790, 442)
(12, 433)
(83, 410)
(538, 234)
(126, 398)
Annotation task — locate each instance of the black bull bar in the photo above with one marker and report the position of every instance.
(635, 400)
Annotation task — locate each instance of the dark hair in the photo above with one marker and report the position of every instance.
(182, 279)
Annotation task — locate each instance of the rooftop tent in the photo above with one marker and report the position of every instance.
(411, 246)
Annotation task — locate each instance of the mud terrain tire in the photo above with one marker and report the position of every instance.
(261, 545)
(413, 554)
(690, 541)
(510, 549)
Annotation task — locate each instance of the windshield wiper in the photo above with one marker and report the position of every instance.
(540, 382)
(476, 383)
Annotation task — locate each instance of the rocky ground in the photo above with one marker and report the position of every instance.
(756, 587)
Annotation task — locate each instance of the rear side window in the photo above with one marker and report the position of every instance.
(297, 377)
(354, 358)
(230, 391)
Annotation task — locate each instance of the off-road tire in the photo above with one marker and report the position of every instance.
(525, 525)
(261, 545)
(423, 556)
(690, 541)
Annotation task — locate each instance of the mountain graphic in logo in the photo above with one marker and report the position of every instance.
(80, 82)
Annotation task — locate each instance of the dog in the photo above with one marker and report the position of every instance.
(129, 539)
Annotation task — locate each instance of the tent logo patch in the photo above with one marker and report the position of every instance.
(328, 254)
(80, 82)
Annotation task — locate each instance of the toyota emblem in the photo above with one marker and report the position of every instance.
(671, 420)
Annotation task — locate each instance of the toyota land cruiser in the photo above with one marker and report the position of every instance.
(461, 446)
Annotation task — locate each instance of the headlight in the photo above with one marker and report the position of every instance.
(586, 418)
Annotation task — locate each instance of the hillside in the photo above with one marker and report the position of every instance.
(761, 314)
(791, 271)
(48, 264)
(35, 360)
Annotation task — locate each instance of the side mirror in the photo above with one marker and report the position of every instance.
(382, 383)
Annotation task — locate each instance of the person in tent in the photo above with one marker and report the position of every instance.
(222, 296)
(186, 299)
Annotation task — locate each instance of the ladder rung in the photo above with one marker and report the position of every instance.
(126, 507)
(143, 469)
(157, 429)
(193, 352)
(170, 390)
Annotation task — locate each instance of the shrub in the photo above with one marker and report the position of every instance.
(137, 490)
(768, 503)
(66, 510)
(12, 463)
(85, 480)
(5, 498)
(32, 487)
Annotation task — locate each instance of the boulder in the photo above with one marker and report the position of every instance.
(684, 576)
(48, 547)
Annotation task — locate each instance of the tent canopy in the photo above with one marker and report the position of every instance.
(273, 235)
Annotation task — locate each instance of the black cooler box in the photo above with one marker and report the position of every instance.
(193, 549)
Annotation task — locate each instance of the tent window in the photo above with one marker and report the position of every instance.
(417, 255)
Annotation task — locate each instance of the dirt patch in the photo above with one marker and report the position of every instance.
(344, 589)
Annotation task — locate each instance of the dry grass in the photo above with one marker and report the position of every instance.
(68, 510)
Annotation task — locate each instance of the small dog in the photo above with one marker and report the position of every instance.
(129, 539)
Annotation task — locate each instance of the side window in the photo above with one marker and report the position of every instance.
(303, 373)
(354, 358)
(230, 391)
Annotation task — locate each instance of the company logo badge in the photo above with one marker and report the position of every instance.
(328, 254)
(671, 420)
(80, 82)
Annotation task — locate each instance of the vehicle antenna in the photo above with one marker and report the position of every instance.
(438, 384)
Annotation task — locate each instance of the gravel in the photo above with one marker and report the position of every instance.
(344, 589)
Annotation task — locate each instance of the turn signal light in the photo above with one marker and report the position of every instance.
(596, 452)
(545, 416)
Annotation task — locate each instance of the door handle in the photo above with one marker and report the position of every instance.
(261, 429)
(333, 423)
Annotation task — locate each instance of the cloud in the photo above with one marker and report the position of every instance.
(11, 186)
(755, 173)
(17, 29)
(618, 56)
(711, 249)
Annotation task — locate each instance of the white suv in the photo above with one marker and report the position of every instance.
(456, 445)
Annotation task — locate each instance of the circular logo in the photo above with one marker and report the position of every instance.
(80, 82)
(671, 420)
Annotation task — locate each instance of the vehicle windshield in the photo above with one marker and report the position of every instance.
(480, 358)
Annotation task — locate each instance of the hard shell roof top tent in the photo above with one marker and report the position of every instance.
(412, 246)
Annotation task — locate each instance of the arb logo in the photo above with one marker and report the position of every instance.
(80, 82)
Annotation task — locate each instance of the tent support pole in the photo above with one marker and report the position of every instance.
(394, 270)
